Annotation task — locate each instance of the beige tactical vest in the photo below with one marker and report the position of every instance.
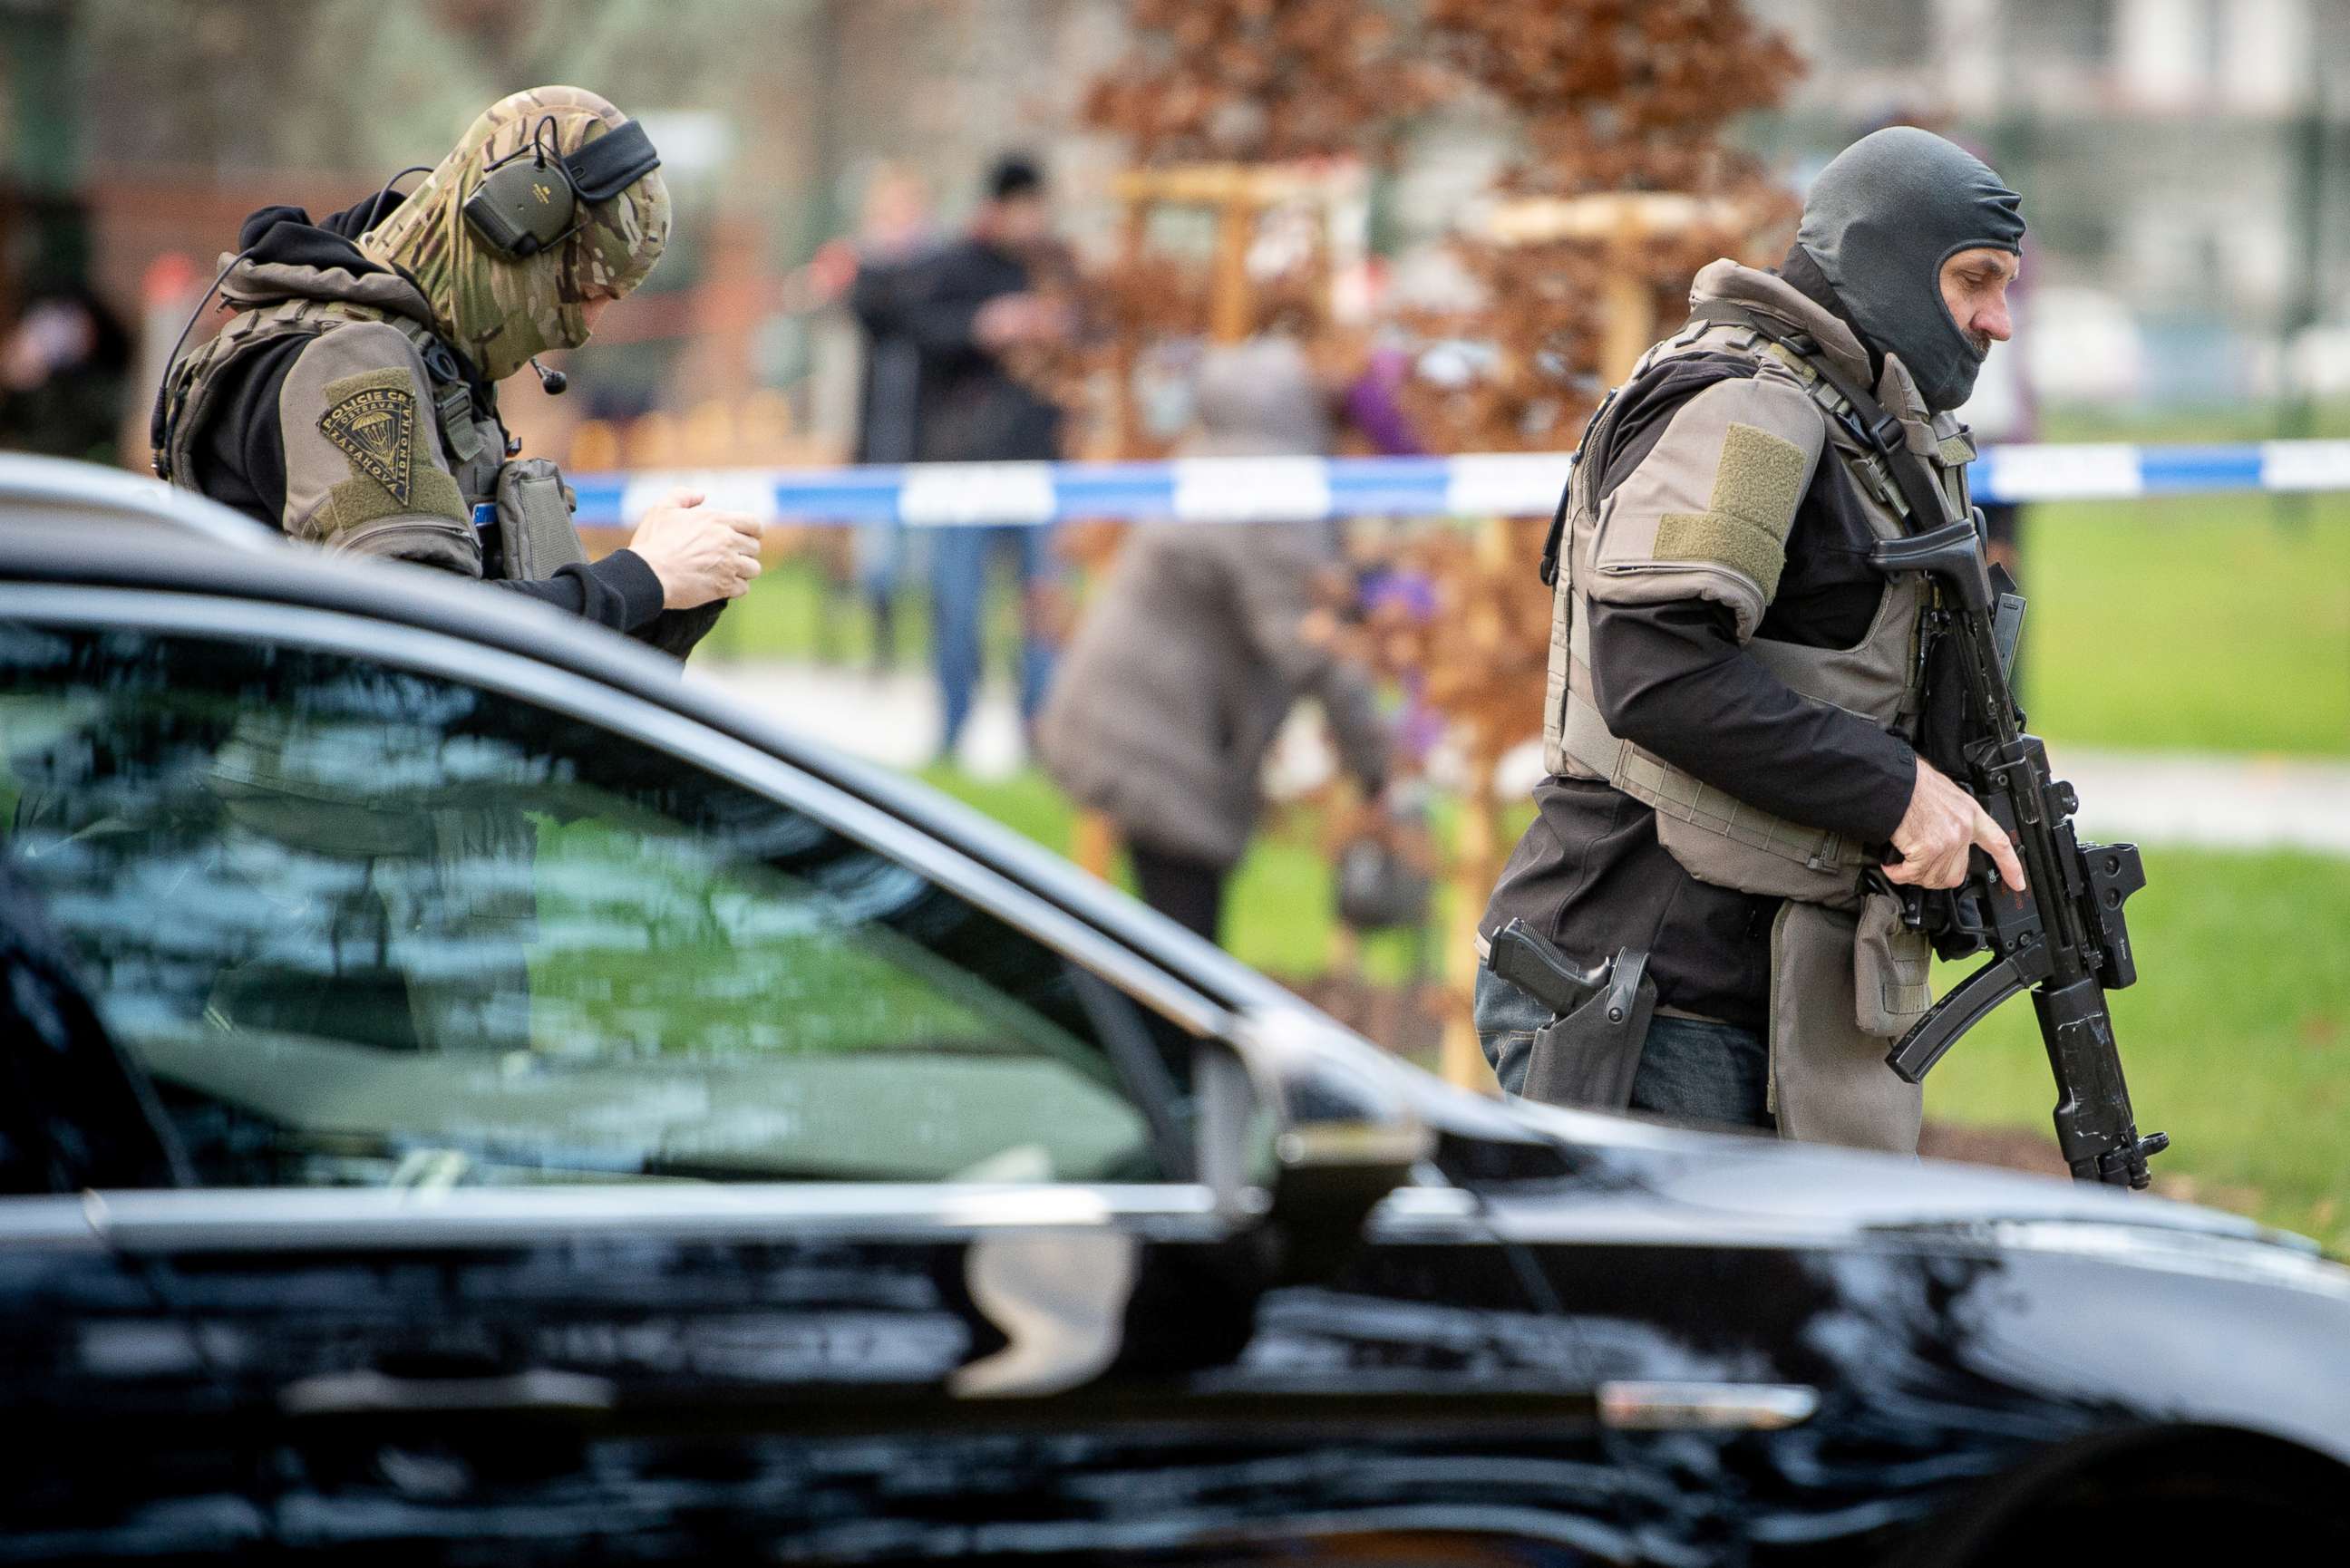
(276, 302)
(1846, 975)
(1716, 837)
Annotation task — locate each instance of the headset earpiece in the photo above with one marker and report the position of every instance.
(529, 201)
(523, 206)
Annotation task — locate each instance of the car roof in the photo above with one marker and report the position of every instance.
(43, 492)
(435, 601)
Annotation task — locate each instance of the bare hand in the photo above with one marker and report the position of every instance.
(698, 555)
(1942, 824)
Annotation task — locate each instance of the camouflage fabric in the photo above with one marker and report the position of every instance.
(500, 311)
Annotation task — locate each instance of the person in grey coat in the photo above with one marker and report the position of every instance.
(1196, 649)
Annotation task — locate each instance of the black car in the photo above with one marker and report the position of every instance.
(552, 1113)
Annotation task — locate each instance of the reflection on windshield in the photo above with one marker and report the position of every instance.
(368, 925)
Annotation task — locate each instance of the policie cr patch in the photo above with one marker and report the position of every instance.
(373, 424)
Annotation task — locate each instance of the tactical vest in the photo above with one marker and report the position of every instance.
(534, 534)
(1714, 837)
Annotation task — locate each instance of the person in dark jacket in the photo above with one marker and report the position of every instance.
(1196, 650)
(964, 311)
(65, 368)
(895, 247)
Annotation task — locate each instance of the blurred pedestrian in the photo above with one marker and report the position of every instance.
(64, 372)
(351, 400)
(896, 241)
(1196, 649)
(964, 311)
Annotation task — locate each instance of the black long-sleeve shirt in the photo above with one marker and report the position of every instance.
(1672, 678)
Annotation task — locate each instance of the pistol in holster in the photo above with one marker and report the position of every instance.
(1589, 1052)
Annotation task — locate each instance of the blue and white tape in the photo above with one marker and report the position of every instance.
(1307, 489)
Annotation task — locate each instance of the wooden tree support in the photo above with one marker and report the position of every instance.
(1239, 195)
(1621, 220)
(1625, 102)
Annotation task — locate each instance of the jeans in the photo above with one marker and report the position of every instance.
(1690, 1070)
(958, 601)
(879, 553)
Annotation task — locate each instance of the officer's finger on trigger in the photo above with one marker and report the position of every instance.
(1995, 843)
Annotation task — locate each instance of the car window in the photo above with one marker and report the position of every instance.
(364, 925)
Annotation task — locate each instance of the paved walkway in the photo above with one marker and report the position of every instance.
(2151, 797)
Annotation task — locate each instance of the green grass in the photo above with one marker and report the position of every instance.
(1277, 905)
(2197, 623)
(795, 611)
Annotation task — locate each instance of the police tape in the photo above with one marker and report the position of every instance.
(1312, 489)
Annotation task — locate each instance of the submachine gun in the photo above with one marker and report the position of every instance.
(2064, 939)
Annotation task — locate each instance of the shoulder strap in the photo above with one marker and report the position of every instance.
(452, 394)
(181, 404)
(1877, 429)
(183, 401)
(1554, 540)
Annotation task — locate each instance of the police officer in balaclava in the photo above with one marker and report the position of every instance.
(1736, 712)
(351, 399)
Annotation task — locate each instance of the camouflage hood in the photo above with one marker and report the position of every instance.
(498, 310)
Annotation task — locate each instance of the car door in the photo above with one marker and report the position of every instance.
(598, 1128)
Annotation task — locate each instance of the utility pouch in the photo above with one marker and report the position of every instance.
(535, 532)
(1589, 1056)
(1829, 1083)
(1890, 967)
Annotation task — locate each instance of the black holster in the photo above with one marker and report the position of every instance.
(1589, 1051)
(1590, 1055)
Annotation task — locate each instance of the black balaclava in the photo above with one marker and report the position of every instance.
(1882, 219)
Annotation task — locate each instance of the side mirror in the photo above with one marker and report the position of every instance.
(1300, 1122)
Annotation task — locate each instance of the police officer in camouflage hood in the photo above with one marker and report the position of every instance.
(351, 399)
(1736, 708)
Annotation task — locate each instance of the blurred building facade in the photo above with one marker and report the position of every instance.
(139, 132)
(2182, 160)
(2183, 163)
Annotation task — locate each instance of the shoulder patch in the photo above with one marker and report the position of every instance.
(1755, 492)
(371, 419)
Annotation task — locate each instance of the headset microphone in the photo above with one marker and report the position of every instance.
(551, 383)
